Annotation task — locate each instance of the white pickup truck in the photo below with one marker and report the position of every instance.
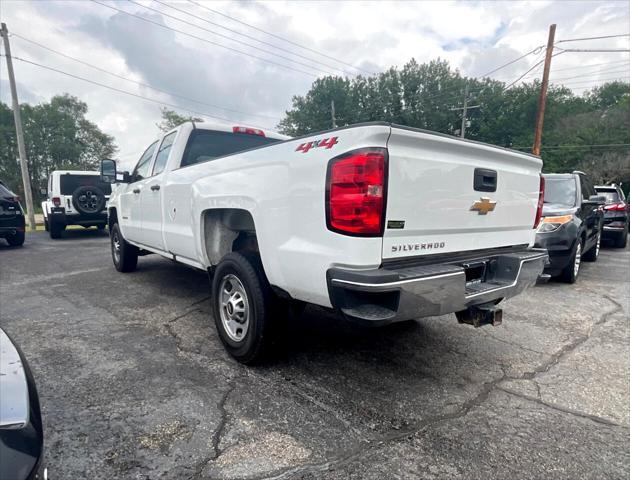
(380, 222)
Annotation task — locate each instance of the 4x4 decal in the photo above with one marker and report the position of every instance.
(326, 143)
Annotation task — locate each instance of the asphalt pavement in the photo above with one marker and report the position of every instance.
(134, 382)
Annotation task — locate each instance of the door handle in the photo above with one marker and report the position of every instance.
(155, 187)
(136, 190)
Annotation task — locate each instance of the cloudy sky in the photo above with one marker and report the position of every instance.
(246, 68)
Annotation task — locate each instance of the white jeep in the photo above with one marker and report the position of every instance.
(75, 198)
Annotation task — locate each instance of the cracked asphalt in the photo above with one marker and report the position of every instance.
(134, 382)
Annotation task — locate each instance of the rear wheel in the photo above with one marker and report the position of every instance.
(124, 254)
(16, 239)
(593, 253)
(571, 271)
(247, 313)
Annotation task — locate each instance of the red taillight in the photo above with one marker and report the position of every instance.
(56, 201)
(355, 192)
(541, 201)
(249, 131)
(616, 207)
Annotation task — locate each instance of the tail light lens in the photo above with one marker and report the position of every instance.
(541, 201)
(355, 192)
(616, 207)
(56, 201)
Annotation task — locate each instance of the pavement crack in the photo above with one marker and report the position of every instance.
(576, 413)
(217, 435)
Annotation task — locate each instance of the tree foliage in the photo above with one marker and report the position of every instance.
(57, 136)
(429, 96)
(172, 119)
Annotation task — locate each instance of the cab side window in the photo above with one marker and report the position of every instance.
(144, 164)
(163, 153)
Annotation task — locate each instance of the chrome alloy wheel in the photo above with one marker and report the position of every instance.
(578, 259)
(234, 307)
(116, 246)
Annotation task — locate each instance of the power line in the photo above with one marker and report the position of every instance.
(269, 52)
(279, 37)
(159, 102)
(249, 36)
(592, 74)
(140, 83)
(598, 81)
(592, 38)
(588, 66)
(204, 39)
(603, 50)
(534, 51)
(536, 65)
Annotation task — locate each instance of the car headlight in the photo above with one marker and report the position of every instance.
(551, 224)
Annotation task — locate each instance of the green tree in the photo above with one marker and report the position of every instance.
(57, 136)
(172, 119)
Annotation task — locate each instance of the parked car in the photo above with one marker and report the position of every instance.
(571, 227)
(21, 433)
(75, 198)
(616, 214)
(11, 217)
(381, 222)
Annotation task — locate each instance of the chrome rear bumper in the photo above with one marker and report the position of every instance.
(390, 294)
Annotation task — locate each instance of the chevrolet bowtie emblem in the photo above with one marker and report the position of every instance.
(483, 206)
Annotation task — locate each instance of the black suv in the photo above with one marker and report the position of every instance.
(571, 226)
(615, 215)
(11, 217)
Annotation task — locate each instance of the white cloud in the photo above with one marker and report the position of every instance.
(474, 36)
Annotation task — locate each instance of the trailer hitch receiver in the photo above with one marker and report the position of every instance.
(480, 315)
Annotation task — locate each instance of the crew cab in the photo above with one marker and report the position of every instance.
(380, 222)
(74, 197)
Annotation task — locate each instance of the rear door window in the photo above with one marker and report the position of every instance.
(144, 164)
(205, 145)
(560, 191)
(69, 183)
(163, 153)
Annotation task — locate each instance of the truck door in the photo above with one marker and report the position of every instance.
(130, 215)
(152, 195)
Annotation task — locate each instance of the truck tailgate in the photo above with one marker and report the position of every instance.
(441, 193)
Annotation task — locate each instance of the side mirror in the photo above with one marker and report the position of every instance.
(109, 174)
(108, 171)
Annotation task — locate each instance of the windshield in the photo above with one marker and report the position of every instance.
(611, 196)
(560, 191)
(69, 183)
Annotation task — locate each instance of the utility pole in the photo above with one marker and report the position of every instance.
(332, 112)
(464, 109)
(26, 179)
(542, 100)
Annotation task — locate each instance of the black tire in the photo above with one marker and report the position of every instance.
(124, 254)
(593, 253)
(622, 240)
(56, 229)
(264, 312)
(16, 240)
(88, 200)
(570, 272)
(46, 226)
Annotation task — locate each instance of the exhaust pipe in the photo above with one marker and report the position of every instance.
(480, 315)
